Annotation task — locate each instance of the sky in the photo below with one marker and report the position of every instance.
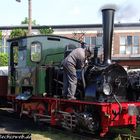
(67, 12)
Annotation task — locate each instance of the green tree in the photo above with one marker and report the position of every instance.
(18, 33)
(26, 21)
(0, 38)
(0, 35)
(46, 31)
(3, 59)
(42, 31)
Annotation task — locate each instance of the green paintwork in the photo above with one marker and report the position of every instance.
(41, 80)
(32, 74)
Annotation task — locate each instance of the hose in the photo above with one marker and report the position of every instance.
(120, 107)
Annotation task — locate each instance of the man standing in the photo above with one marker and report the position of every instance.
(75, 60)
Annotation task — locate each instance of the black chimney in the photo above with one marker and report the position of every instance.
(108, 25)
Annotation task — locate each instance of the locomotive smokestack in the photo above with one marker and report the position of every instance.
(108, 25)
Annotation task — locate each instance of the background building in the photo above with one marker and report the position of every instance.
(125, 45)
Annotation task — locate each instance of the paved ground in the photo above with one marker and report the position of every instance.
(9, 122)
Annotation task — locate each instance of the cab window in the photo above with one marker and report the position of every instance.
(14, 54)
(36, 48)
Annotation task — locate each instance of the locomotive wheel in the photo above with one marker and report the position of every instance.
(88, 122)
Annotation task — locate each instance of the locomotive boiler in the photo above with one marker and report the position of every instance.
(108, 79)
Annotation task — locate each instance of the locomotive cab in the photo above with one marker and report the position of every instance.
(35, 64)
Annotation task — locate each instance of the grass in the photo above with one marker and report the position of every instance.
(127, 133)
(54, 135)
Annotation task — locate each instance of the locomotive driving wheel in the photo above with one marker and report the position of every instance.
(88, 123)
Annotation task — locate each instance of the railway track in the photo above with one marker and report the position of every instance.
(10, 123)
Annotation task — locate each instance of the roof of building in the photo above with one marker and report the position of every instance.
(69, 26)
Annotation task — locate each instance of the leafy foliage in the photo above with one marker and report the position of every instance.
(3, 59)
(42, 31)
(17, 33)
(20, 32)
(26, 21)
(0, 38)
(46, 31)
(0, 35)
